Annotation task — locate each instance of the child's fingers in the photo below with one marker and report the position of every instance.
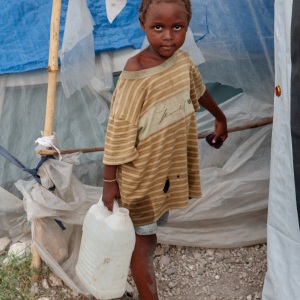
(220, 138)
(213, 141)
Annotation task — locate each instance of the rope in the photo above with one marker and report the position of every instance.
(32, 172)
(49, 142)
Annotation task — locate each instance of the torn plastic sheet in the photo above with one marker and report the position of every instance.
(113, 8)
(77, 53)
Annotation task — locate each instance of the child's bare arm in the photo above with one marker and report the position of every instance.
(110, 186)
(209, 103)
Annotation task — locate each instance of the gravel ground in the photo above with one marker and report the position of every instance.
(189, 273)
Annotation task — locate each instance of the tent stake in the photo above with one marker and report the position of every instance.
(50, 106)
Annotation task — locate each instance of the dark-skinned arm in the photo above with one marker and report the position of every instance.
(110, 186)
(209, 104)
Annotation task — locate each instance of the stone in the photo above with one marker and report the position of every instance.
(165, 260)
(45, 284)
(34, 289)
(17, 250)
(210, 252)
(54, 280)
(170, 271)
(4, 243)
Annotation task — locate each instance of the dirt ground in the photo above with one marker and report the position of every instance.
(188, 273)
(197, 273)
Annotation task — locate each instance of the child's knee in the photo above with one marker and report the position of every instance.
(145, 244)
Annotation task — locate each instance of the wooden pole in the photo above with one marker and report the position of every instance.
(241, 127)
(52, 68)
(69, 151)
(50, 106)
(200, 136)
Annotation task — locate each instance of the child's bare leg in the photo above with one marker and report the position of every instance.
(142, 268)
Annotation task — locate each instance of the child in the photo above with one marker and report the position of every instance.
(151, 148)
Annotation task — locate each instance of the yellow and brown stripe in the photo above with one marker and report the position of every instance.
(152, 137)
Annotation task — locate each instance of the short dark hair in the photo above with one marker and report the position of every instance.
(146, 3)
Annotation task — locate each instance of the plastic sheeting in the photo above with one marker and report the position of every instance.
(238, 52)
(77, 54)
(13, 219)
(68, 202)
(283, 276)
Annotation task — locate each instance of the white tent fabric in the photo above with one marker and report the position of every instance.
(283, 276)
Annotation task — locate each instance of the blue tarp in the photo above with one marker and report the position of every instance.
(25, 30)
(25, 26)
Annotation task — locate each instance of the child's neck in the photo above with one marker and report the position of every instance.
(151, 58)
(146, 59)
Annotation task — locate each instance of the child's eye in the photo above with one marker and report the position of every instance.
(177, 27)
(158, 27)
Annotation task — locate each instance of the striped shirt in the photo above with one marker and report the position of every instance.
(152, 137)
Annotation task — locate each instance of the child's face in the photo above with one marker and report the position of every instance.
(165, 25)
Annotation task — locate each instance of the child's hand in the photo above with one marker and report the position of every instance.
(110, 193)
(221, 130)
(212, 142)
(220, 134)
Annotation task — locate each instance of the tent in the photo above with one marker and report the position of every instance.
(236, 40)
(284, 198)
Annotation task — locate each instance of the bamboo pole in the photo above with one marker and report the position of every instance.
(50, 105)
(52, 68)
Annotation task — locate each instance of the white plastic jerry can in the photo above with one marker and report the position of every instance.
(107, 243)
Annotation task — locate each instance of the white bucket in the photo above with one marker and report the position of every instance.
(107, 243)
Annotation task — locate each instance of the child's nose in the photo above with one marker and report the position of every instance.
(168, 35)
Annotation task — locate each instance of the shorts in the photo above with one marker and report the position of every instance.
(152, 228)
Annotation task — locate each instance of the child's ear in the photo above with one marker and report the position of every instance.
(142, 23)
